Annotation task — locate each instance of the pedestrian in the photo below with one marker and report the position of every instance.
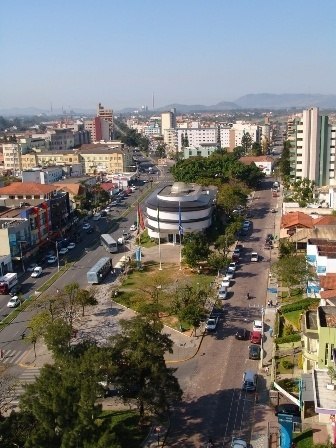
(267, 370)
(271, 303)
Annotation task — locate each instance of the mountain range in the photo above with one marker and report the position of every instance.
(250, 101)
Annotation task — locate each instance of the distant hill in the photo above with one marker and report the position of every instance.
(186, 108)
(30, 111)
(286, 100)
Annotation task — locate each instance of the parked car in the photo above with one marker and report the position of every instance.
(114, 203)
(241, 334)
(103, 213)
(258, 326)
(133, 227)
(71, 246)
(52, 259)
(223, 293)
(14, 302)
(226, 281)
(288, 409)
(230, 274)
(211, 324)
(250, 380)
(86, 226)
(90, 230)
(31, 267)
(254, 351)
(236, 255)
(36, 272)
(96, 216)
(254, 257)
(216, 312)
(238, 443)
(63, 251)
(255, 337)
(232, 267)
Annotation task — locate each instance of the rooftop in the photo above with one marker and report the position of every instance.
(325, 399)
(325, 248)
(247, 160)
(31, 188)
(296, 219)
(328, 281)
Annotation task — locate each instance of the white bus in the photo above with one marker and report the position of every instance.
(109, 243)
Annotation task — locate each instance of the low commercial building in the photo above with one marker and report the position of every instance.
(203, 150)
(264, 163)
(43, 176)
(178, 209)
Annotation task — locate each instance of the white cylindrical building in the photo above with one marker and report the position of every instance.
(177, 209)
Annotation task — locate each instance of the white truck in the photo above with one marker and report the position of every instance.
(7, 282)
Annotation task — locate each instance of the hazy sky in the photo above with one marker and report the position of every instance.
(77, 53)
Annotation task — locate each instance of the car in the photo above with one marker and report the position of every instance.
(31, 267)
(216, 312)
(211, 324)
(15, 290)
(86, 226)
(254, 257)
(223, 293)
(288, 409)
(133, 227)
(103, 213)
(90, 230)
(238, 443)
(14, 302)
(255, 337)
(226, 281)
(36, 272)
(246, 223)
(126, 235)
(232, 266)
(120, 241)
(71, 246)
(239, 247)
(230, 274)
(63, 251)
(236, 255)
(269, 237)
(106, 210)
(51, 259)
(96, 216)
(258, 326)
(254, 351)
(273, 210)
(114, 203)
(250, 379)
(133, 188)
(241, 334)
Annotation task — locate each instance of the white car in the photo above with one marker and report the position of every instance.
(36, 272)
(226, 281)
(31, 267)
(223, 293)
(52, 259)
(63, 251)
(232, 267)
(14, 302)
(254, 256)
(211, 324)
(71, 246)
(230, 274)
(258, 326)
(96, 216)
(238, 443)
(86, 226)
(133, 227)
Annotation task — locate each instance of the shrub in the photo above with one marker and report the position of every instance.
(303, 304)
(287, 364)
(290, 385)
(288, 330)
(295, 337)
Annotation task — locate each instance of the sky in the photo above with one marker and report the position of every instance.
(75, 53)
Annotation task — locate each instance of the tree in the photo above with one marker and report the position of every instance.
(217, 261)
(302, 191)
(57, 337)
(256, 149)
(138, 352)
(38, 326)
(85, 298)
(195, 248)
(231, 196)
(161, 150)
(246, 142)
(284, 163)
(292, 271)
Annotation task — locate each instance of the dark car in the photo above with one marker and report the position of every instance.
(254, 352)
(217, 312)
(15, 290)
(288, 409)
(241, 334)
(103, 213)
(90, 230)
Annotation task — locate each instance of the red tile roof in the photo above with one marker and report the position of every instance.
(328, 294)
(251, 159)
(296, 219)
(325, 221)
(31, 188)
(328, 281)
(107, 186)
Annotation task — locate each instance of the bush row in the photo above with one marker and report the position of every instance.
(303, 304)
(289, 338)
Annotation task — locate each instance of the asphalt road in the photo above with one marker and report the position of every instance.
(85, 255)
(214, 405)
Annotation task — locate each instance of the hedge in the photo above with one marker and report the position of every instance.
(303, 304)
(290, 338)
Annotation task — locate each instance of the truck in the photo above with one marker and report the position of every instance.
(7, 282)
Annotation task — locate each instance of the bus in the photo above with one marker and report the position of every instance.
(109, 243)
(97, 273)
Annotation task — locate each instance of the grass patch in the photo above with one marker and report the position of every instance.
(304, 440)
(286, 364)
(141, 287)
(145, 240)
(294, 318)
(125, 426)
(290, 385)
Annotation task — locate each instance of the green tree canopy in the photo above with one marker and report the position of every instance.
(195, 248)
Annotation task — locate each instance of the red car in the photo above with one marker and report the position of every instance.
(255, 337)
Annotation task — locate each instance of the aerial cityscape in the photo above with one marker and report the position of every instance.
(167, 224)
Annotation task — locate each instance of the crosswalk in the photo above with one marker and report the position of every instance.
(12, 395)
(12, 356)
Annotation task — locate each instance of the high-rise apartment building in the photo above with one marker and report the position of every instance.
(99, 128)
(312, 138)
(107, 115)
(168, 121)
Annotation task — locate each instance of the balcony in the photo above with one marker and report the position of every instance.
(310, 355)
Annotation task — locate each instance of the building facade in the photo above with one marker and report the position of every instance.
(99, 129)
(107, 115)
(204, 150)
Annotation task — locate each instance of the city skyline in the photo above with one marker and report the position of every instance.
(119, 53)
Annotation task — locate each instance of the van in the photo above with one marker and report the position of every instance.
(250, 379)
(36, 272)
